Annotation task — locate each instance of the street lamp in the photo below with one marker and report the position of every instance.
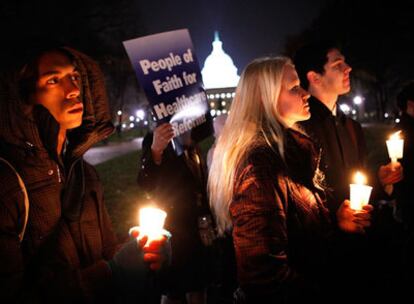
(358, 100)
(140, 114)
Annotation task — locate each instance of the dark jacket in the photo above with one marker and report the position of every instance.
(361, 258)
(281, 228)
(62, 258)
(403, 189)
(343, 149)
(178, 185)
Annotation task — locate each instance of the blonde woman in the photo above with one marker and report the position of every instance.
(265, 187)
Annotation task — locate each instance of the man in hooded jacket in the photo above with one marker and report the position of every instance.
(53, 108)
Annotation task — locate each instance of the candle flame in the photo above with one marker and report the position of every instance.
(395, 136)
(151, 221)
(360, 178)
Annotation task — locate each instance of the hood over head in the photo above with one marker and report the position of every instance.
(31, 126)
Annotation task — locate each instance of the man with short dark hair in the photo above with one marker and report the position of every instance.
(324, 72)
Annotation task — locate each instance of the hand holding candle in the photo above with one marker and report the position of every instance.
(151, 222)
(152, 238)
(360, 192)
(395, 146)
(353, 221)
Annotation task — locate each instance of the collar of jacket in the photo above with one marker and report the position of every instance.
(320, 111)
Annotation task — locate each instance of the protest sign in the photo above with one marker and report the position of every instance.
(167, 68)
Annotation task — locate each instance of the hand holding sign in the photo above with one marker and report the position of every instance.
(162, 136)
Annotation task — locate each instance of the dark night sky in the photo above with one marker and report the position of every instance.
(248, 28)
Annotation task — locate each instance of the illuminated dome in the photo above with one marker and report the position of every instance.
(219, 70)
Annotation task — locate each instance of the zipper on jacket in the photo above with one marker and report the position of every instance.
(58, 174)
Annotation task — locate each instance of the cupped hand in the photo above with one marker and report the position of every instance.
(390, 173)
(156, 251)
(353, 221)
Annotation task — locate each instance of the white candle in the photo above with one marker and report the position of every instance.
(151, 221)
(360, 192)
(395, 146)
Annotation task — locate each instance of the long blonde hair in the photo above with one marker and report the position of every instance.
(253, 117)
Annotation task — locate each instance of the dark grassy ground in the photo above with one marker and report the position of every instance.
(123, 196)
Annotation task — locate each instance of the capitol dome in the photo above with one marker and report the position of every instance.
(219, 70)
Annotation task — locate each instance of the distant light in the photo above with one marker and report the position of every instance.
(131, 118)
(386, 115)
(145, 122)
(357, 100)
(131, 125)
(212, 104)
(223, 103)
(223, 95)
(217, 96)
(119, 112)
(140, 114)
(345, 108)
(218, 113)
(211, 96)
(137, 119)
(228, 95)
(397, 120)
(213, 112)
(233, 94)
(224, 111)
(123, 126)
(353, 112)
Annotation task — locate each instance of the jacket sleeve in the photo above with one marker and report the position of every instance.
(258, 211)
(11, 258)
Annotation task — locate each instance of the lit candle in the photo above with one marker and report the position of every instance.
(360, 192)
(151, 221)
(395, 146)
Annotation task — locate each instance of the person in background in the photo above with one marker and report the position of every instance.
(324, 72)
(265, 187)
(178, 184)
(53, 108)
(405, 102)
(404, 197)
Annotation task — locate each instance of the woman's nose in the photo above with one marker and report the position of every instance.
(305, 94)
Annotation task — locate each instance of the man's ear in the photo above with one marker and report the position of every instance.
(313, 77)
